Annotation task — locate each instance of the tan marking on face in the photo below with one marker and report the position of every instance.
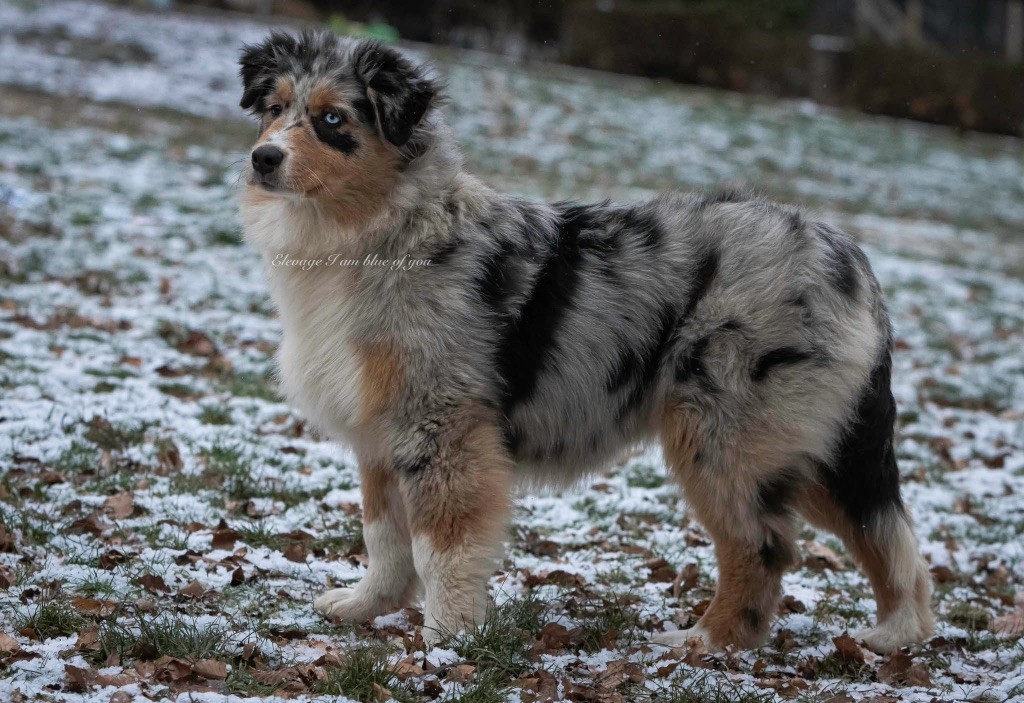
(380, 379)
(464, 496)
(352, 188)
(284, 93)
(324, 98)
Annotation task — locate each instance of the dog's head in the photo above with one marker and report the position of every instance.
(339, 119)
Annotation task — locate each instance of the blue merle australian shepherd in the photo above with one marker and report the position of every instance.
(544, 340)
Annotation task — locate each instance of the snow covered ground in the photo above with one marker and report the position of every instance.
(165, 519)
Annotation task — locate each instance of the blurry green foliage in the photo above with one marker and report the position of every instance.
(374, 30)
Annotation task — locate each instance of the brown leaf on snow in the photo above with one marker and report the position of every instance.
(553, 637)
(8, 645)
(121, 697)
(79, 679)
(295, 552)
(120, 506)
(820, 557)
(88, 640)
(901, 669)
(153, 583)
(461, 673)
(558, 577)
(661, 571)
(113, 558)
(6, 580)
(92, 606)
(224, 538)
(211, 669)
(193, 590)
(169, 669)
(848, 651)
(686, 580)
(1012, 624)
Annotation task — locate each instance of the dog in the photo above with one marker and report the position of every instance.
(506, 341)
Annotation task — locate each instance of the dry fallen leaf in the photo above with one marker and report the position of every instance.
(901, 669)
(848, 651)
(821, 557)
(8, 645)
(211, 669)
(193, 590)
(119, 506)
(1011, 624)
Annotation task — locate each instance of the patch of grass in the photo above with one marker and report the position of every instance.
(605, 618)
(222, 236)
(182, 391)
(501, 643)
(215, 415)
(171, 635)
(644, 476)
(487, 687)
(241, 682)
(79, 458)
(54, 616)
(366, 666)
(249, 384)
(968, 616)
(115, 436)
(709, 688)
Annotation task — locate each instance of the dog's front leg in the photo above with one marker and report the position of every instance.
(458, 497)
(390, 578)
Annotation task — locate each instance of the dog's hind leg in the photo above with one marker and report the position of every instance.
(390, 578)
(886, 549)
(747, 508)
(858, 498)
(459, 499)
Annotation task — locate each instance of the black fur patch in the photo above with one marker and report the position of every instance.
(783, 356)
(637, 368)
(528, 343)
(691, 367)
(703, 275)
(752, 618)
(398, 92)
(775, 495)
(444, 253)
(342, 141)
(776, 555)
(863, 477)
(260, 64)
(843, 259)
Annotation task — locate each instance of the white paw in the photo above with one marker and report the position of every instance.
(679, 638)
(343, 604)
(881, 639)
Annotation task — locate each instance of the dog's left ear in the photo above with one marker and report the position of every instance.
(399, 92)
(259, 65)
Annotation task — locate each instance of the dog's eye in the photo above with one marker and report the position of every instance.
(332, 118)
(275, 110)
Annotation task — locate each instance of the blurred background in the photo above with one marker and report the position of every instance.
(953, 62)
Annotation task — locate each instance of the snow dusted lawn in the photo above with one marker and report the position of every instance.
(165, 519)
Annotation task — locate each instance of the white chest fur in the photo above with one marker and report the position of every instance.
(318, 360)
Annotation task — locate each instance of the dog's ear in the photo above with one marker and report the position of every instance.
(399, 92)
(260, 65)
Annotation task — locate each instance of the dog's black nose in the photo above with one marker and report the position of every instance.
(266, 158)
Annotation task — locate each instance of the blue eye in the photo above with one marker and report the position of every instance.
(332, 118)
(275, 110)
